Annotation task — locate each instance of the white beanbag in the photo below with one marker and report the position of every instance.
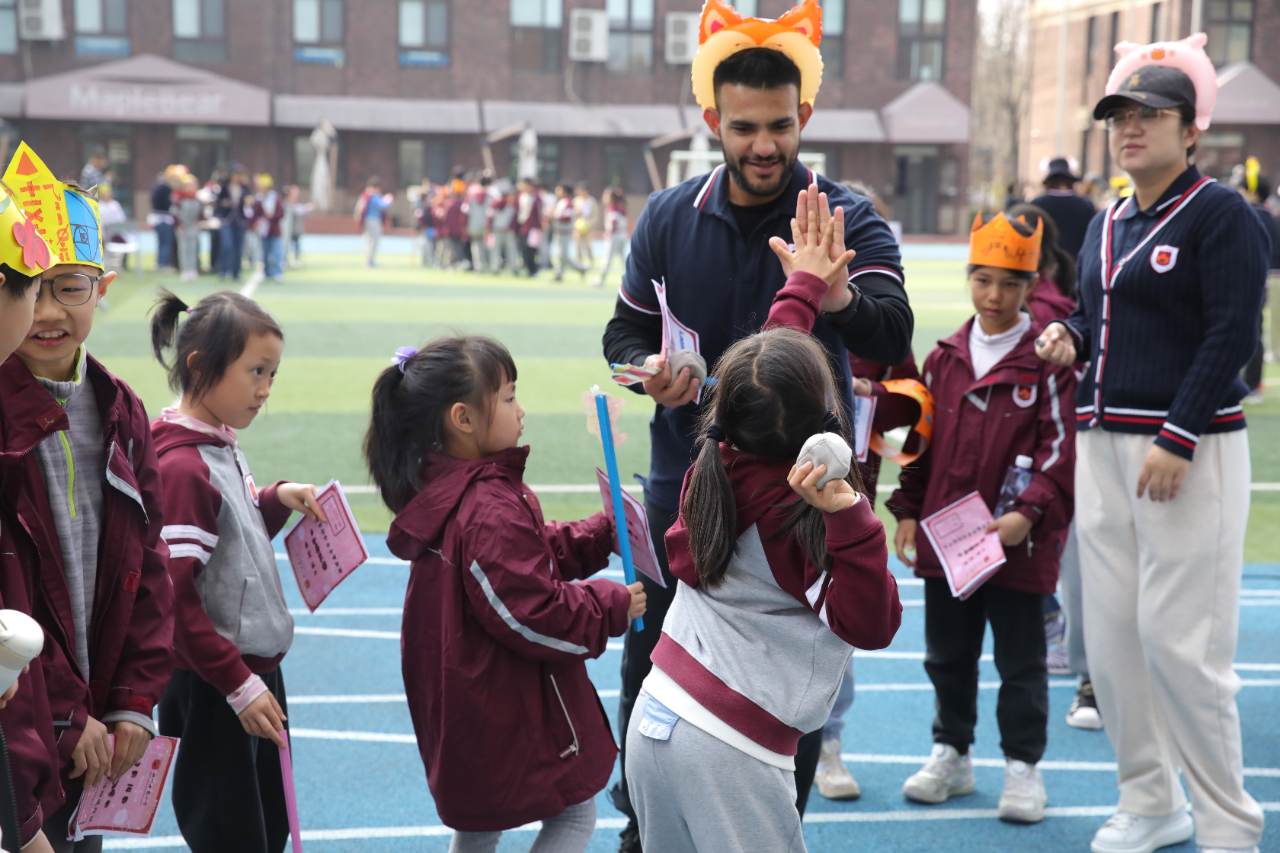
(827, 448)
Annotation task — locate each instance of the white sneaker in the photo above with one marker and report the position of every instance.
(1024, 797)
(1227, 849)
(834, 780)
(947, 774)
(1084, 709)
(1126, 832)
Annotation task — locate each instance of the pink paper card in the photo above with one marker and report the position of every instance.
(127, 807)
(323, 555)
(968, 554)
(643, 557)
(290, 795)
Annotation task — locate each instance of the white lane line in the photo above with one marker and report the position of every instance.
(348, 632)
(363, 737)
(1047, 764)
(348, 611)
(251, 286)
(615, 823)
(349, 699)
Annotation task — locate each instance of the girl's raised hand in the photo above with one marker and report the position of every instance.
(833, 497)
(265, 718)
(812, 253)
(302, 497)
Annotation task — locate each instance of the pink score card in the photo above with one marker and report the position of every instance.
(643, 557)
(127, 807)
(323, 555)
(969, 555)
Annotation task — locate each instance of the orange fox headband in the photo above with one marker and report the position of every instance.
(998, 244)
(722, 32)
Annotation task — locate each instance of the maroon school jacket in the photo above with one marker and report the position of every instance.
(131, 628)
(26, 720)
(493, 643)
(1047, 303)
(1023, 406)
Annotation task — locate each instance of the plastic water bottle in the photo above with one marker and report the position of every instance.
(21, 639)
(1016, 480)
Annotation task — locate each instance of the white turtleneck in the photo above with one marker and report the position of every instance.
(987, 350)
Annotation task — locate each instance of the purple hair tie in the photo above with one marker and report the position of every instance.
(402, 356)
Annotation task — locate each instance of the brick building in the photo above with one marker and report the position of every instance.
(1246, 120)
(413, 86)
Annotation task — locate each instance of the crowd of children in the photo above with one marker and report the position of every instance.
(143, 547)
(476, 223)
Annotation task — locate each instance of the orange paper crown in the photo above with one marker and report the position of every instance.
(722, 32)
(998, 244)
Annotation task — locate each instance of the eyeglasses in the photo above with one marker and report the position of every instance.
(1144, 116)
(73, 288)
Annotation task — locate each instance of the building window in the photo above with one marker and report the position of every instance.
(1230, 29)
(317, 21)
(413, 162)
(630, 36)
(1155, 22)
(199, 31)
(424, 32)
(1115, 39)
(1090, 46)
(102, 17)
(832, 45)
(8, 26)
(535, 35)
(548, 162)
(921, 33)
(624, 167)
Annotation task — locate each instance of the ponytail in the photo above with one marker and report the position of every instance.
(710, 511)
(164, 323)
(412, 399)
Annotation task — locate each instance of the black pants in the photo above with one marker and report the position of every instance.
(953, 631)
(637, 648)
(530, 256)
(228, 793)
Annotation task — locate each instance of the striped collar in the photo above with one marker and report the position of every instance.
(713, 195)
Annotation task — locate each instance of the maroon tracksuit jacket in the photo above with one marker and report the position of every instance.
(493, 643)
(131, 627)
(1022, 406)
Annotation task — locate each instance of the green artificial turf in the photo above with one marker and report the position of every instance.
(343, 321)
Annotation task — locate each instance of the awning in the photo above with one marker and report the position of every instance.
(843, 126)
(398, 115)
(1246, 96)
(628, 121)
(926, 114)
(147, 88)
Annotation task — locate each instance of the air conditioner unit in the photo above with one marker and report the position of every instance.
(588, 35)
(40, 20)
(682, 37)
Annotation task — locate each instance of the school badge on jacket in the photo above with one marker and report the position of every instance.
(1024, 395)
(1163, 258)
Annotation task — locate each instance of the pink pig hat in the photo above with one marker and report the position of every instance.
(1187, 56)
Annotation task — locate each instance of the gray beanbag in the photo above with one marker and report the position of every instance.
(827, 448)
(682, 358)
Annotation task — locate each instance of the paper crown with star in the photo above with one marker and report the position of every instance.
(998, 244)
(722, 32)
(21, 246)
(65, 216)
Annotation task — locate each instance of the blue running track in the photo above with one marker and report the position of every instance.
(361, 785)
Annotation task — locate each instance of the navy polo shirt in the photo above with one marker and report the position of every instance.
(720, 284)
(1168, 313)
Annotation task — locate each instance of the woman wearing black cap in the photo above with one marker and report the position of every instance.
(1171, 282)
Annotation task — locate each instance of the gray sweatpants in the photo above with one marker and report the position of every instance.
(694, 793)
(568, 832)
(1070, 590)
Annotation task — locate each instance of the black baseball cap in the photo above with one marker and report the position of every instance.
(1157, 86)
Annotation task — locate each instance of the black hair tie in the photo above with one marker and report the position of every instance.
(831, 423)
(716, 433)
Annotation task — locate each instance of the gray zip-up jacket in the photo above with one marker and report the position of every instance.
(232, 619)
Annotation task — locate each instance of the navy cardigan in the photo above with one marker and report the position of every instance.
(1168, 313)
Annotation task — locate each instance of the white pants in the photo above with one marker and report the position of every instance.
(1161, 613)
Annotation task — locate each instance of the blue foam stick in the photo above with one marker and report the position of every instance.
(615, 486)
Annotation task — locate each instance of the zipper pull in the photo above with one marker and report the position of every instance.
(573, 748)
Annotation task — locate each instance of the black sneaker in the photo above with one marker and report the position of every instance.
(629, 841)
(1084, 710)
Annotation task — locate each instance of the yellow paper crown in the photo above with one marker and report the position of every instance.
(66, 218)
(21, 246)
(998, 244)
(722, 32)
